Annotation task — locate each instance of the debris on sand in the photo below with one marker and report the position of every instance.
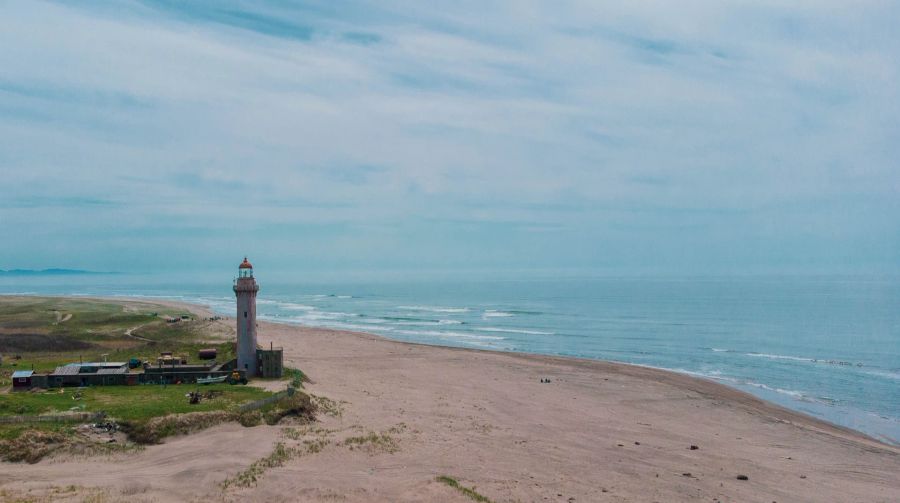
(743, 477)
(694, 447)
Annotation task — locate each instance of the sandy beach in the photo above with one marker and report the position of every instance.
(518, 428)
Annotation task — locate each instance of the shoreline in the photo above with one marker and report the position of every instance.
(681, 380)
(396, 418)
(207, 311)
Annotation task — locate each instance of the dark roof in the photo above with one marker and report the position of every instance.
(104, 368)
(67, 370)
(117, 370)
(106, 365)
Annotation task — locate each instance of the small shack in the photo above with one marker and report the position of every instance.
(22, 379)
(270, 362)
(175, 373)
(89, 374)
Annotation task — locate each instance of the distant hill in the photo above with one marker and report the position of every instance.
(47, 272)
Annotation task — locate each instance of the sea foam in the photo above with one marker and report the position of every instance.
(434, 309)
(514, 331)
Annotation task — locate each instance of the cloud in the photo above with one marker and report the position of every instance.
(602, 126)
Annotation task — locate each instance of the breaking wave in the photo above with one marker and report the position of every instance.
(780, 357)
(514, 331)
(433, 309)
(460, 335)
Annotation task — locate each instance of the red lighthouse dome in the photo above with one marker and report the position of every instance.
(245, 264)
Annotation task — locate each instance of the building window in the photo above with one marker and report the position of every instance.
(245, 314)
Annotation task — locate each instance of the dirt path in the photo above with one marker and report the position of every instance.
(130, 332)
(60, 318)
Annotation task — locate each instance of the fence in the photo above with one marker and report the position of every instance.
(79, 417)
(268, 400)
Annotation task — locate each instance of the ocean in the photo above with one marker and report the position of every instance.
(826, 346)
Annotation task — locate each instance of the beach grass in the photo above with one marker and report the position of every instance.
(296, 377)
(249, 477)
(468, 491)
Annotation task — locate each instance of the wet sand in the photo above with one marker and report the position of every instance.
(597, 431)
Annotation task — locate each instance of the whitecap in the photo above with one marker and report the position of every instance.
(792, 393)
(434, 309)
(716, 375)
(353, 326)
(438, 333)
(324, 315)
(883, 373)
(423, 323)
(514, 331)
(780, 357)
(290, 306)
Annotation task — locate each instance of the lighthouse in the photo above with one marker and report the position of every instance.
(245, 288)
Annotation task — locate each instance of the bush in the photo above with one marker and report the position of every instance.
(250, 418)
(296, 376)
(154, 430)
(31, 445)
(297, 405)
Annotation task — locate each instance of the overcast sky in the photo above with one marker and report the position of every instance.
(632, 137)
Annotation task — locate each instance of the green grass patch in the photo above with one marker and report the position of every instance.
(46, 332)
(79, 318)
(42, 333)
(15, 430)
(468, 491)
(129, 403)
(296, 376)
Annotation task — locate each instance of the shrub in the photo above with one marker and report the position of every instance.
(154, 430)
(31, 445)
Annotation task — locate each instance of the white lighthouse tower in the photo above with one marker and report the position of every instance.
(245, 288)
